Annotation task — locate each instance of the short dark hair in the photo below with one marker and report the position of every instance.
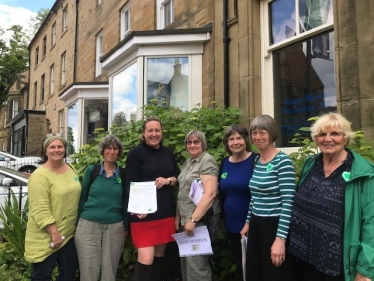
(267, 123)
(146, 120)
(243, 132)
(110, 140)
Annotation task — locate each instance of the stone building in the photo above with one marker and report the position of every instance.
(290, 59)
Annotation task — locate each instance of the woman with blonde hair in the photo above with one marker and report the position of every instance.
(332, 223)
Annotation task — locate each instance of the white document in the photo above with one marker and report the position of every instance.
(196, 245)
(143, 197)
(196, 191)
(244, 254)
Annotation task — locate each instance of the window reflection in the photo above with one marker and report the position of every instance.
(282, 16)
(72, 130)
(95, 116)
(167, 81)
(314, 13)
(304, 83)
(311, 14)
(124, 96)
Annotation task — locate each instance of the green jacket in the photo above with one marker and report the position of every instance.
(358, 236)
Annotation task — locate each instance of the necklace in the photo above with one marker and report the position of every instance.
(109, 171)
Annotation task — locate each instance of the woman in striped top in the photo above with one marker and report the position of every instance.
(273, 188)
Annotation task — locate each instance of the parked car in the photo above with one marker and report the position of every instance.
(26, 164)
(17, 182)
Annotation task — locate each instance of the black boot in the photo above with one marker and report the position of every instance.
(142, 272)
(157, 268)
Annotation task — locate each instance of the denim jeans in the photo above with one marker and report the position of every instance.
(67, 262)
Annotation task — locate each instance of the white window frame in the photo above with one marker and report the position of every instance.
(161, 13)
(173, 45)
(267, 56)
(63, 69)
(99, 52)
(125, 20)
(14, 108)
(65, 19)
(51, 79)
(53, 35)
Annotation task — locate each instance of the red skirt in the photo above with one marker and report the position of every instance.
(152, 233)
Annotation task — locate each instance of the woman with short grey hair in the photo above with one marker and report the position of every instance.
(201, 166)
(103, 219)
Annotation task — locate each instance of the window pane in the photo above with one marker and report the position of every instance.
(95, 116)
(304, 84)
(315, 13)
(72, 130)
(167, 13)
(125, 96)
(282, 17)
(168, 81)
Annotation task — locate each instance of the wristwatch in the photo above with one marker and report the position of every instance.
(169, 181)
(193, 220)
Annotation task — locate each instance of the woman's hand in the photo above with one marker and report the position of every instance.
(278, 252)
(245, 229)
(189, 228)
(56, 237)
(360, 277)
(140, 216)
(160, 182)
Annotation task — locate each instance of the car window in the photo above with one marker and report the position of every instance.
(2, 158)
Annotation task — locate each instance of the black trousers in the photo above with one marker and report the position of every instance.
(261, 237)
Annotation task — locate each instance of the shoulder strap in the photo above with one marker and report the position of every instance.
(122, 175)
(94, 173)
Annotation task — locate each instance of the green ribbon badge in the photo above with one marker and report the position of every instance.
(224, 175)
(346, 176)
(119, 180)
(76, 178)
(269, 167)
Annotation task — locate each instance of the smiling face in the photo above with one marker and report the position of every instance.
(261, 139)
(153, 134)
(236, 143)
(331, 142)
(194, 146)
(55, 150)
(111, 153)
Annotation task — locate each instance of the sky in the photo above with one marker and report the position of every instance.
(20, 11)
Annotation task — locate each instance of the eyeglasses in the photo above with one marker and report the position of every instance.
(54, 135)
(195, 142)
